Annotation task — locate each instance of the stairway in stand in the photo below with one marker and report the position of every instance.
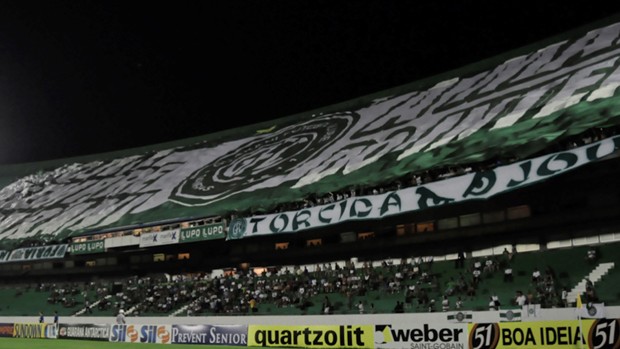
(595, 276)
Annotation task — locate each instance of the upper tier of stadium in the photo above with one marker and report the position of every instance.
(508, 107)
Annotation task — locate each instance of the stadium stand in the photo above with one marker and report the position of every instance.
(420, 284)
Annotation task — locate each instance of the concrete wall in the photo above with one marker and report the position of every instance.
(412, 318)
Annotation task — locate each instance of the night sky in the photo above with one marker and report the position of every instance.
(84, 77)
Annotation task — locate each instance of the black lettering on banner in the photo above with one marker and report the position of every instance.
(343, 207)
(286, 338)
(604, 334)
(324, 209)
(526, 167)
(569, 158)
(484, 336)
(259, 337)
(392, 199)
(331, 338)
(297, 221)
(426, 194)
(317, 337)
(355, 212)
(272, 226)
(517, 336)
(560, 335)
(481, 183)
(592, 151)
(255, 221)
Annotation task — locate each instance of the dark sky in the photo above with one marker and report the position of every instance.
(83, 77)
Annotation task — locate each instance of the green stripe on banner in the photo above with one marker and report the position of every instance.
(510, 315)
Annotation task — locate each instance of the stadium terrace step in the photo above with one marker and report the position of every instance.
(595, 276)
(94, 305)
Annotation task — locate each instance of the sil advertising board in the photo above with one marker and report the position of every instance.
(141, 334)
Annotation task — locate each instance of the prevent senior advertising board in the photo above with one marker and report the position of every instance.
(235, 335)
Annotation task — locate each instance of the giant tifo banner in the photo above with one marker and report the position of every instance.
(479, 185)
(518, 103)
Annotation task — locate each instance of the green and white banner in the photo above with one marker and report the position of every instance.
(36, 253)
(87, 247)
(513, 314)
(473, 186)
(518, 103)
(203, 232)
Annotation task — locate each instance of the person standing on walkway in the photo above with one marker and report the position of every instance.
(120, 318)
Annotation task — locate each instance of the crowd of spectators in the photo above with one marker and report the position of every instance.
(326, 288)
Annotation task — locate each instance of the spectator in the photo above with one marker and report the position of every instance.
(489, 266)
(360, 307)
(431, 306)
(399, 308)
(459, 303)
(530, 297)
(476, 274)
(492, 305)
(591, 255)
(496, 301)
(252, 303)
(536, 276)
(520, 299)
(327, 306)
(506, 254)
(565, 297)
(120, 318)
(460, 260)
(445, 304)
(508, 274)
(41, 317)
(56, 318)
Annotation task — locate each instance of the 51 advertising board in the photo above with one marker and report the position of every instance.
(587, 333)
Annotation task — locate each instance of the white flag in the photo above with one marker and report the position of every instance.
(510, 315)
(530, 310)
(591, 310)
(459, 316)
